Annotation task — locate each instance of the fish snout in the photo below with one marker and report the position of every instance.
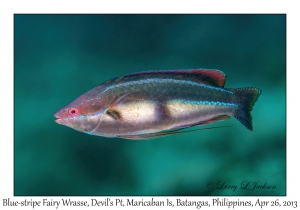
(59, 119)
(61, 115)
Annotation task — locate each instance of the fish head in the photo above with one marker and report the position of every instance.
(83, 114)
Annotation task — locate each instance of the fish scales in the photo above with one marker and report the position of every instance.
(139, 104)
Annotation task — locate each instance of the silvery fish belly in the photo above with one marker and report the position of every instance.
(153, 104)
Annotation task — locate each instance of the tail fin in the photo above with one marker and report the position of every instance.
(247, 99)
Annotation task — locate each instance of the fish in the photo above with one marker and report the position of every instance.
(157, 103)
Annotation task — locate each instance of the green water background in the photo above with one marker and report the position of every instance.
(59, 57)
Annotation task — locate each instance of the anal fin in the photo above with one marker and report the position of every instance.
(216, 119)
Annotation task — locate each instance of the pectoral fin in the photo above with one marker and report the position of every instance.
(122, 109)
(114, 114)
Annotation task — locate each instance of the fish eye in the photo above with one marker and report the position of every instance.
(73, 112)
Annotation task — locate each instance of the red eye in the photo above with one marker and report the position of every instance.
(73, 112)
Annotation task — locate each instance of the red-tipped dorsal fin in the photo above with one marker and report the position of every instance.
(215, 75)
(210, 77)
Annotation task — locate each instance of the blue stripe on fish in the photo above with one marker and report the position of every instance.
(158, 80)
(214, 103)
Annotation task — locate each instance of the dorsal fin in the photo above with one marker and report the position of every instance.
(210, 77)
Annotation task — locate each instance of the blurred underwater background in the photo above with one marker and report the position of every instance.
(59, 57)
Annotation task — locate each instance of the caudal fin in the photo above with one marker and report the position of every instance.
(247, 99)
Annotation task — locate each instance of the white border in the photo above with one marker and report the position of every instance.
(8, 8)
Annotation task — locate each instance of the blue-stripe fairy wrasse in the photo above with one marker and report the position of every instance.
(152, 104)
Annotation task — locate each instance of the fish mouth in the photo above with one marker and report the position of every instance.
(58, 120)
